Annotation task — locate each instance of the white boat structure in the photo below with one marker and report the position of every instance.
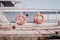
(29, 30)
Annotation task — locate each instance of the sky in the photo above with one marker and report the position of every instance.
(41, 4)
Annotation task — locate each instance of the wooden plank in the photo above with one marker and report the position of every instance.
(46, 32)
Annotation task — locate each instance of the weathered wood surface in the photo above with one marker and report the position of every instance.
(18, 38)
(27, 30)
(27, 33)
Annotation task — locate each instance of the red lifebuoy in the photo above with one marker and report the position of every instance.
(20, 22)
(38, 21)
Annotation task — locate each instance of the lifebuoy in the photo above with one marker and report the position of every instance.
(38, 21)
(22, 21)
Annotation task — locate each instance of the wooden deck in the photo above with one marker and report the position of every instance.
(26, 32)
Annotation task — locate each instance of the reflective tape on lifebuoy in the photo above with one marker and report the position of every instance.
(22, 21)
(38, 21)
